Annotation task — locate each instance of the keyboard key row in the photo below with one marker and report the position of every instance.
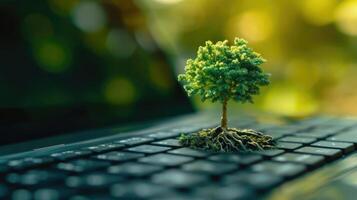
(345, 146)
(135, 141)
(148, 149)
(163, 135)
(82, 165)
(104, 147)
(331, 153)
(178, 178)
(134, 169)
(258, 180)
(168, 142)
(243, 159)
(209, 167)
(302, 140)
(165, 159)
(345, 137)
(312, 160)
(70, 154)
(119, 156)
(280, 169)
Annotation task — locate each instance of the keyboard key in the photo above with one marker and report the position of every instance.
(92, 181)
(345, 146)
(318, 135)
(20, 194)
(189, 152)
(177, 178)
(119, 156)
(134, 169)
(137, 190)
(104, 147)
(168, 142)
(179, 196)
(163, 135)
(29, 162)
(332, 153)
(302, 140)
(41, 194)
(82, 165)
(280, 169)
(344, 137)
(94, 196)
(235, 158)
(229, 192)
(270, 153)
(257, 180)
(35, 177)
(70, 154)
(329, 129)
(209, 167)
(48, 193)
(288, 145)
(306, 159)
(165, 159)
(135, 141)
(148, 149)
(277, 133)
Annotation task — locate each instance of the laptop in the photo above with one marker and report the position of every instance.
(90, 109)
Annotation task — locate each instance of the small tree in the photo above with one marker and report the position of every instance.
(221, 73)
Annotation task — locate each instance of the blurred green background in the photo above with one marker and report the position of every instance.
(310, 46)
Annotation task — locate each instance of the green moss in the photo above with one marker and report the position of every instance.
(230, 140)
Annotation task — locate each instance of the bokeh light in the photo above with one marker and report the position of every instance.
(346, 17)
(53, 56)
(167, 1)
(119, 52)
(318, 12)
(255, 26)
(289, 101)
(120, 91)
(89, 16)
(310, 46)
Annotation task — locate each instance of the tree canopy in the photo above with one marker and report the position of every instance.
(221, 72)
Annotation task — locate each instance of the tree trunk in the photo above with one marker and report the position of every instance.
(224, 115)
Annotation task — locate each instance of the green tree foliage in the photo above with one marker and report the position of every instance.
(221, 72)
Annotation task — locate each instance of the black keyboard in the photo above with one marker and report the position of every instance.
(156, 166)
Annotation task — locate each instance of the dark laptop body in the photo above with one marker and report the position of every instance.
(67, 134)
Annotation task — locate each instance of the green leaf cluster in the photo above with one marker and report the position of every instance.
(221, 72)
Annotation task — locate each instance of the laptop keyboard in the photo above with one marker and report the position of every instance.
(156, 166)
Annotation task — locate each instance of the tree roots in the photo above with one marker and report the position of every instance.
(227, 140)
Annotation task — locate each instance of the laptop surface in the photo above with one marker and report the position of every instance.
(101, 120)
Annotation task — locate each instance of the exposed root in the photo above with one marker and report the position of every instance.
(227, 140)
